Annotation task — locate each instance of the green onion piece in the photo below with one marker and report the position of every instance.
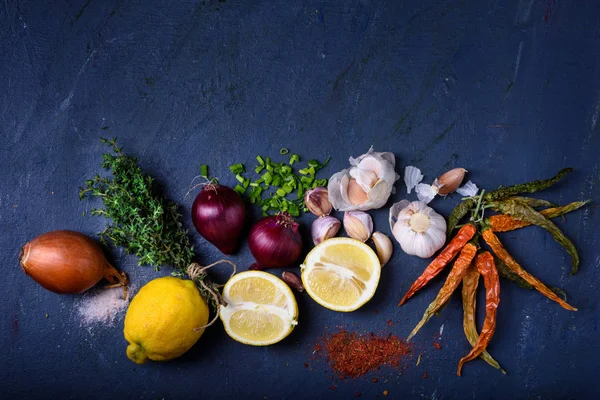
(280, 192)
(314, 163)
(246, 183)
(260, 160)
(259, 169)
(204, 170)
(239, 178)
(237, 168)
(284, 151)
(294, 158)
(326, 161)
(239, 189)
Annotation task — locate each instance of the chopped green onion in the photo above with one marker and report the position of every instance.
(294, 158)
(237, 168)
(239, 178)
(260, 160)
(239, 189)
(284, 151)
(204, 170)
(259, 169)
(314, 163)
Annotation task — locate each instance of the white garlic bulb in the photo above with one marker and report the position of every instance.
(366, 185)
(418, 228)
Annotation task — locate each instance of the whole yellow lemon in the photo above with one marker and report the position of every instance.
(162, 320)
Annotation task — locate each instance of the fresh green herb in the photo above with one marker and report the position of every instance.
(144, 223)
(279, 183)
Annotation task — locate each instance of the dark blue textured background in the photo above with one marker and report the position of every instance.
(507, 89)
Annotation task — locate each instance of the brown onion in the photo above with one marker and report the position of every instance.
(67, 262)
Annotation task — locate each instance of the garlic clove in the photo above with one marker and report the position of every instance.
(450, 181)
(412, 177)
(383, 247)
(468, 189)
(378, 191)
(317, 201)
(324, 228)
(356, 194)
(425, 192)
(366, 178)
(358, 225)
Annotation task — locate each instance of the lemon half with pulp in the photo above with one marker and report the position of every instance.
(341, 274)
(261, 308)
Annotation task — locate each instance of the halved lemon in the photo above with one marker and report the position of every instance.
(341, 274)
(261, 308)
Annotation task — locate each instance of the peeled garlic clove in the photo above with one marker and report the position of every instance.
(325, 228)
(450, 181)
(317, 201)
(356, 194)
(412, 177)
(383, 247)
(468, 189)
(358, 225)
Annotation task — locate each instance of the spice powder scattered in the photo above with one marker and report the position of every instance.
(351, 355)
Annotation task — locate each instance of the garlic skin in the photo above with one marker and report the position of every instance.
(366, 185)
(383, 247)
(412, 177)
(426, 193)
(468, 189)
(317, 201)
(418, 228)
(324, 228)
(450, 181)
(358, 225)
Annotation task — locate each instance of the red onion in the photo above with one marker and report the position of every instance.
(275, 241)
(219, 214)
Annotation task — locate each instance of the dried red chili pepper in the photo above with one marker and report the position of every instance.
(469, 298)
(492, 240)
(454, 278)
(437, 265)
(505, 223)
(485, 266)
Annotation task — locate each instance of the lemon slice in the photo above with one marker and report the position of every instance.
(341, 274)
(261, 308)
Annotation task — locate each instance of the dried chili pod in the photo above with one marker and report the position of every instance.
(458, 213)
(452, 281)
(509, 274)
(465, 234)
(505, 223)
(492, 240)
(469, 299)
(533, 202)
(524, 212)
(485, 266)
(530, 187)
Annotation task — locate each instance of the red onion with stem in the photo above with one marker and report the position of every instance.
(275, 242)
(219, 215)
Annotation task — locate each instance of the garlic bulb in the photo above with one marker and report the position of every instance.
(418, 228)
(366, 185)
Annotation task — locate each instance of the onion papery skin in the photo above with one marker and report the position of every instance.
(275, 241)
(219, 215)
(66, 262)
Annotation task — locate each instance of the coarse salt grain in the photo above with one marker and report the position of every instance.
(103, 306)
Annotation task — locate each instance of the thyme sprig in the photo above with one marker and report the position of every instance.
(143, 222)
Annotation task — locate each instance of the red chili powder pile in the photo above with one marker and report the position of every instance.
(351, 355)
